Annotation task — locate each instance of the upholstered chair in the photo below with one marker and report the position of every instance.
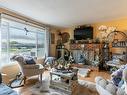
(29, 70)
(111, 87)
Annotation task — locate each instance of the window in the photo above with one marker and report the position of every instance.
(18, 38)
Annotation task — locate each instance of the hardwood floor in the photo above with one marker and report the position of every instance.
(93, 74)
(25, 89)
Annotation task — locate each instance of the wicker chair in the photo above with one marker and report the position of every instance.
(29, 70)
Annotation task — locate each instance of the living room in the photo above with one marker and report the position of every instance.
(63, 47)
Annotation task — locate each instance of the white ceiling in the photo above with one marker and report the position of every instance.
(68, 13)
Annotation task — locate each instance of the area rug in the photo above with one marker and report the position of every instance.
(16, 83)
(44, 89)
(83, 72)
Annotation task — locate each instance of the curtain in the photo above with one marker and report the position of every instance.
(47, 42)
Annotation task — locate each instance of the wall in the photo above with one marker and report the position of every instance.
(56, 31)
(71, 32)
(52, 51)
(120, 24)
(24, 18)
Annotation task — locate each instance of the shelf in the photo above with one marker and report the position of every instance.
(119, 46)
(86, 46)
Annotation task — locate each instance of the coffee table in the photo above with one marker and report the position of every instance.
(64, 80)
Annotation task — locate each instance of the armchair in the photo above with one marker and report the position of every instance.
(118, 85)
(29, 69)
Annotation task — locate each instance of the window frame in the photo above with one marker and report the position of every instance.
(8, 37)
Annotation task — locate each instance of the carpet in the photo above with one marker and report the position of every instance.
(42, 88)
(83, 72)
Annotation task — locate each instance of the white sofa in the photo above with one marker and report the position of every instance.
(86, 88)
(107, 87)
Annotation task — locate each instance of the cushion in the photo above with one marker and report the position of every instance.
(40, 61)
(103, 83)
(125, 79)
(97, 79)
(19, 58)
(111, 88)
(121, 83)
(87, 84)
(120, 91)
(30, 60)
(117, 76)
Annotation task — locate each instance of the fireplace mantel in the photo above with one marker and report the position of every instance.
(88, 50)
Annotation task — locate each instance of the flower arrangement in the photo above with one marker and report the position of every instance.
(105, 31)
(102, 28)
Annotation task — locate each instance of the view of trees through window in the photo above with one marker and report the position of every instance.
(15, 40)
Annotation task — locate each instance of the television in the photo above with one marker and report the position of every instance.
(83, 33)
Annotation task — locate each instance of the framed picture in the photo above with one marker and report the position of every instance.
(52, 38)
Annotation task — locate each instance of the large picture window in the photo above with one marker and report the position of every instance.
(20, 39)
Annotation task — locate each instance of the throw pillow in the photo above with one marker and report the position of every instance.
(117, 76)
(120, 91)
(121, 83)
(103, 83)
(30, 60)
(40, 61)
